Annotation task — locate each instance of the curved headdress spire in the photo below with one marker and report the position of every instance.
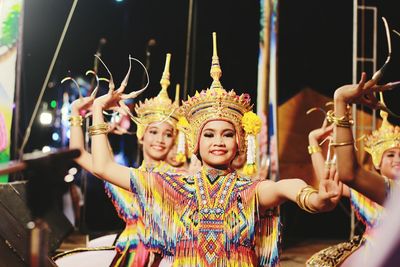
(386, 137)
(216, 103)
(159, 108)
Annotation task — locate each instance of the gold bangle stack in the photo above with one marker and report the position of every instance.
(313, 149)
(75, 120)
(344, 121)
(303, 196)
(101, 128)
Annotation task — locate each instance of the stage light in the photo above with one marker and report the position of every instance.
(119, 1)
(45, 117)
(73, 171)
(53, 104)
(69, 178)
(46, 149)
(55, 136)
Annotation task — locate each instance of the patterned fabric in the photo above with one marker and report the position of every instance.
(132, 249)
(204, 223)
(335, 255)
(367, 211)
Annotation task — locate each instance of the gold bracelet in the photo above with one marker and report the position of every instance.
(75, 120)
(101, 128)
(302, 198)
(313, 149)
(341, 143)
(344, 121)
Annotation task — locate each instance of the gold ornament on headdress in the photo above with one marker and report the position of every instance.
(216, 103)
(386, 137)
(159, 108)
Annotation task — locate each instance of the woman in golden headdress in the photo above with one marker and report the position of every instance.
(212, 218)
(362, 185)
(156, 131)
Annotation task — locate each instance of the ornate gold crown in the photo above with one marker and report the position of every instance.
(215, 103)
(386, 137)
(159, 108)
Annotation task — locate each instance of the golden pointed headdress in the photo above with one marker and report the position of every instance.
(386, 137)
(215, 103)
(159, 108)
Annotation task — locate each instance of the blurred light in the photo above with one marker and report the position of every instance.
(73, 171)
(55, 136)
(69, 178)
(46, 149)
(119, 1)
(68, 133)
(53, 104)
(45, 118)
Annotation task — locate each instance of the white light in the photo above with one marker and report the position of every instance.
(68, 133)
(73, 171)
(68, 178)
(45, 118)
(46, 149)
(55, 136)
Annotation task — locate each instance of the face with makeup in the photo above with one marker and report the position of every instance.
(390, 163)
(157, 141)
(217, 144)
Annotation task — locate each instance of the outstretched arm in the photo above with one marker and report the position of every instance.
(102, 161)
(317, 158)
(369, 183)
(271, 194)
(76, 140)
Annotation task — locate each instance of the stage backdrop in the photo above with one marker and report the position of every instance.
(10, 11)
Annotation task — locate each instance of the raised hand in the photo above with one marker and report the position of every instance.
(321, 133)
(330, 191)
(81, 105)
(363, 92)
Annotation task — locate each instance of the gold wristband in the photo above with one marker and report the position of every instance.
(313, 149)
(341, 143)
(302, 198)
(101, 128)
(75, 120)
(344, 121)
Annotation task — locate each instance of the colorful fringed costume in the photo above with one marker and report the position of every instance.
(134, 247)
(208, 219)
(366, 210)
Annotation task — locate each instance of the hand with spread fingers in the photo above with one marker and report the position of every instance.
(330, 190)
(363, 92)
(81, 105)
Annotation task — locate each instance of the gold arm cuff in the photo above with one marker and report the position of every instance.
(101, 128)
(341, 143)
(313, 149)
(302, 198)
(75, 120)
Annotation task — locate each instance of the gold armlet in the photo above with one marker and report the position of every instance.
(101, 128)
(344, 121)
(341, 143)
(302, 199)
(75, 120)
(313, 149)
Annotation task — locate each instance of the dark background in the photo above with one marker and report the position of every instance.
(314, 51)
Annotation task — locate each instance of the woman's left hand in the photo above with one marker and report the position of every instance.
(330, 191)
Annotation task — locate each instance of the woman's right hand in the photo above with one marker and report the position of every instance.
(319, 134)
(81, 105)
(363, 92)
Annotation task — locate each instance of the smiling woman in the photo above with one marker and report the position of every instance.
(215, 217)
